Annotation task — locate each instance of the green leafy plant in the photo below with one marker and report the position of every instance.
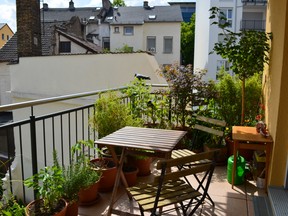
(49, 185)
(247, 51)
(153, 107)
(10, 206)
(111, 114)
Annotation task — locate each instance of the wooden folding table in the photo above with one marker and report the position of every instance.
(160, 141)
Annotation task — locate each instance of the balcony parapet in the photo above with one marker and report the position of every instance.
(257, 25)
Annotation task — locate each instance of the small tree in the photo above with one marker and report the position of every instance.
(187, 40)
(247, 51)
(119, 3)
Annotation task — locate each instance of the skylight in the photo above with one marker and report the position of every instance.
(152, 17)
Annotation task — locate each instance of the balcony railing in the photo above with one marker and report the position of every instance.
(257, 25)
(42, 131)
(254, 2)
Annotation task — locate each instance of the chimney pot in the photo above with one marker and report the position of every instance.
(71, 6)
(45, 7)
(145, 4)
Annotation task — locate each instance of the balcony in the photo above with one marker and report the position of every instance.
(254, 2)
(257, 25)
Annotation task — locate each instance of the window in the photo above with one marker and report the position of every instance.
(228, 14)
(128, 30)
(168, 44)
(222, 64)
(116, 29)
(3, 37)
(106, 43)
(65, 47)
(8, 37)
(151, 44)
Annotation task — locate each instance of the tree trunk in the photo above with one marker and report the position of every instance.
(243, 102)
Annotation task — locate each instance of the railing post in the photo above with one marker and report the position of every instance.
(33, 147)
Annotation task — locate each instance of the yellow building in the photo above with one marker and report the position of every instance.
(275, 81)
(5, 34)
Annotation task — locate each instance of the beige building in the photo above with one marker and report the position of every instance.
(5, 33)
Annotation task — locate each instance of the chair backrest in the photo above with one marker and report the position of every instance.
(210, 126)
(201, 162)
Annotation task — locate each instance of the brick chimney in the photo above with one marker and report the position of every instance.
(28, 28)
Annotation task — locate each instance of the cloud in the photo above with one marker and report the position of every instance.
(8, 14)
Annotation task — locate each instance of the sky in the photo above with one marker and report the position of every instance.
(8, 7)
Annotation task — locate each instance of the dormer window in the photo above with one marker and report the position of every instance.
(152, 17)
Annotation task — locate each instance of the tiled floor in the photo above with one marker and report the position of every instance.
(228, 201)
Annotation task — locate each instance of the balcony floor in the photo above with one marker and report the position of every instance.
(228, 201)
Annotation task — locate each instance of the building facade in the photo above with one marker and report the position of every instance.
(5, 33)
(242, 14)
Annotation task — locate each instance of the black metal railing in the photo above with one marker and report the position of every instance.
(36, 137)
(257, 25)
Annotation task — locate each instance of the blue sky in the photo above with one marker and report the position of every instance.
(8, 7)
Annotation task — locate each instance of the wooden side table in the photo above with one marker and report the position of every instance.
(248, 138)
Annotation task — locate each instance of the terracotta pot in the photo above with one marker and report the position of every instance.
(89, 196)
(130, 173)
(72, 208)
(142, 164)
(109, 172)
(29, 207)
(221, 158)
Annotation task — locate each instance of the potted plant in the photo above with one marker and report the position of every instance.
(49, 185)
(141, 161)
(130, 173)
(85, 179)
(9, 206)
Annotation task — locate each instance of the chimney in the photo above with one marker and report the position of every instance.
(145, 4)
(45, 7)
(28, 28)
(71, 6)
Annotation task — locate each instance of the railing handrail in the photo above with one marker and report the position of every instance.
(32, 103)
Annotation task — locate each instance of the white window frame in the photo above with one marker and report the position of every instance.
(116, 29)
(228, 12)
(165, 48)
(151, 47)
(130, 32)
(221, 63)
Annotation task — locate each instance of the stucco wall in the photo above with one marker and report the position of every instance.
(4, 84)
(276, 91)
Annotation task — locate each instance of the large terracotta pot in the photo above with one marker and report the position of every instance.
(29, 208)
(72, 208)
(109, 171)
(89, 196)
(143, 164)
(130, 173)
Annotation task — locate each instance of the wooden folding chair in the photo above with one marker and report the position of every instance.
(207, 127)
(169, 188)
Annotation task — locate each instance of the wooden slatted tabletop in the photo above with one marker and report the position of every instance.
(144, 138)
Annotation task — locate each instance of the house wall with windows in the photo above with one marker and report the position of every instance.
(5, 34)
(206, 35)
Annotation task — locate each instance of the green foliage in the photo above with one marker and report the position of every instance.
(49, 185)
(226, 104)
(125, 49)
(187, 40)
(145, 104)
(10, 206)
(247, 51)
(118, 3)
(111, 114)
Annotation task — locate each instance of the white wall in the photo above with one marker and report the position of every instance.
(5, 97)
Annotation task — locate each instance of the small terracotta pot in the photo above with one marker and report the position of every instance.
(108, 174)
(30, 206)
(143, 165)
(72, 208)
(89, 195)
(130, 173)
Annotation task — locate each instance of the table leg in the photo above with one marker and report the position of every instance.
(234, 161)
(267, 163)
(119, 174)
